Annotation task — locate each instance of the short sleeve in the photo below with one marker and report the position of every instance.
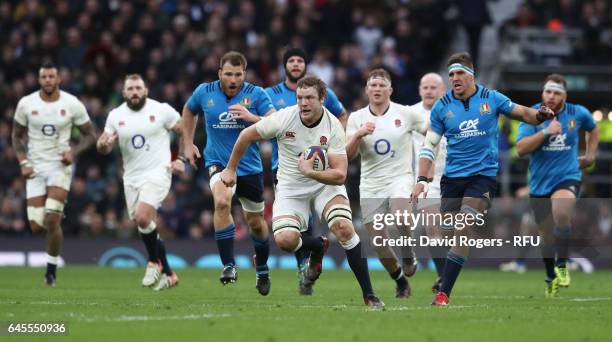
(352, 125)
(109, 126)
(193, 103)
(270, 126)
(503, 103)
(263, 104)
(585, 118)
(171, 116)
(80, 113)
(435, 118)
(525, 130)
(417, 122)
(21, 115)
(333, 104)
(337, 142)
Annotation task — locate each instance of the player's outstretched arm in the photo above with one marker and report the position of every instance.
(334, 175)
(531, 115)
(592, 140)
(190, 151)
(19, 138)
(246, 137)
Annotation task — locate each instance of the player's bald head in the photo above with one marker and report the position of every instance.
(432, 77)
(431, 88)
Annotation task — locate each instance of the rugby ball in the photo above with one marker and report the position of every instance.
(320, 157)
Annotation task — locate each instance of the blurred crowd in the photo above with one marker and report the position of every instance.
(593, 19)
(177, 44)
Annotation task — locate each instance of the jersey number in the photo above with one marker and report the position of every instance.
(139, 141)
(382, 147)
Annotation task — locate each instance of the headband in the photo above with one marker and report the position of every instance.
(457, 66)
(550, 85)
(380, 78)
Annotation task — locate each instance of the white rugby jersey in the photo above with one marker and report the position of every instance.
(144, 140)
(49, 125)
(386, 154)
(294, 137)
(419, 139)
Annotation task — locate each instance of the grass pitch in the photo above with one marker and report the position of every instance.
(103, 304)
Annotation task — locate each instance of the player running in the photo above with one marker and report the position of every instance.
(43, 122)
(283, 95)
(382, 134)
(554, 174)
(299, 185)
(142, 128)
(467, 116)
(226, 106)
(431, 88)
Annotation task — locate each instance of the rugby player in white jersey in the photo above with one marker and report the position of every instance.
(142, 128)
(431, 88)
(41, 137)
(296, 128)
(381, 133)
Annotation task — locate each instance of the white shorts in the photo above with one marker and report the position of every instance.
(59, 176)
(291, 203)
(149, 193)
(378, 202)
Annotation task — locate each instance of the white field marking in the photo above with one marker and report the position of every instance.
(152, 318)
(589, 299)
(14, 302)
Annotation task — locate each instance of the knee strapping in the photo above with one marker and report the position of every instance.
(285, 223)
(36, 214)
(337, 212)
(54, 206)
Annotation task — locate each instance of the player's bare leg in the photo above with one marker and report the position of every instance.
(337, 213)
(259, 235)
(563, 203)
(224, 231)
(54, 211)
(457, 255)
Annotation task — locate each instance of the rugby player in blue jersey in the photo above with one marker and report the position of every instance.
(283, 95)
(229, 105)
(554, 174)
(467, 116)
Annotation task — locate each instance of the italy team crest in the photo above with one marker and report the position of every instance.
(246, 102)
(572, 124)
(485, 108)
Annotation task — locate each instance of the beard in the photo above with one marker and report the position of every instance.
(136, 106)
(294, 79)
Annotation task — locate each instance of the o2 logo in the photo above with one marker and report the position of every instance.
(383, 147)
(48, 130)
(139, 141)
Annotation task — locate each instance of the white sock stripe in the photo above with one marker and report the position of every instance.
(149, 229)
(298, 246)
(351, 243)
(54, 260)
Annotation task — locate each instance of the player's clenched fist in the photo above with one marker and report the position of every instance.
(544, 113)
(177, 167)
(419, 188)
(554, 128)
(67, 157)
(228, 177)
(366, 129)
(240, 112)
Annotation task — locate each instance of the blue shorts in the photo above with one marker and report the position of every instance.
(541, 205)
(454, 190)
(250, 187)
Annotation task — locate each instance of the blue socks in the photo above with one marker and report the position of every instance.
(452, 268)
(262, 251)
(225, 244)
